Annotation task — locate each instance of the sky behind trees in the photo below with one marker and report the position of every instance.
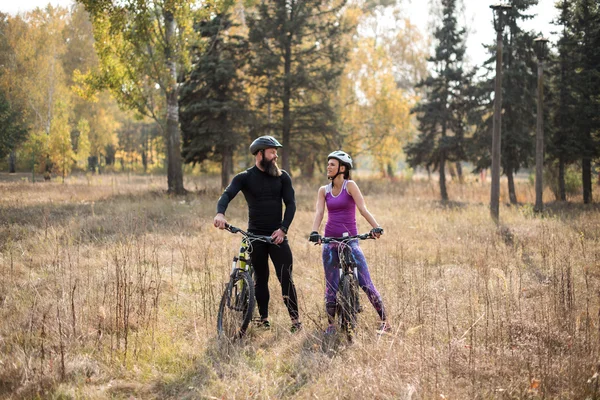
(477, 19)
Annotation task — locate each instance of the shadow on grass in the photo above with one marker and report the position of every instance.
(224, 360)
(566, 210)
(106, 219)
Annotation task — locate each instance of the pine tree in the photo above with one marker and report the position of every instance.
(562, 144)
(586, 29)
(518, 101)
(442, 116)
(212, 104)
(297, 60)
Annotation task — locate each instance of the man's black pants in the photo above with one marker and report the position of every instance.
(281, 256)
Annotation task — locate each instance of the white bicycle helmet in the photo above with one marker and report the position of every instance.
(342, 157)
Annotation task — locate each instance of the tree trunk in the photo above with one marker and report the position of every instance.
(459, 172)
(174, 168)
(539, 141)
(308, 166)
(443, 191)
(226, 164)
(287, 94)
(12, 162)
(497, 132)
(586, 175)
(562, 192)
(511, 186)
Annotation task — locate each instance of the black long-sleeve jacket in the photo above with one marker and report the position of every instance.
(264, 194)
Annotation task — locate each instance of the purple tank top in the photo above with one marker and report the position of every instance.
(341, 212)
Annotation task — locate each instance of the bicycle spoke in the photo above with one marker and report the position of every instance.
(235, 310)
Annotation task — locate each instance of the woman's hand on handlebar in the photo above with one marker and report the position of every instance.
(314, 237)
(377, 232)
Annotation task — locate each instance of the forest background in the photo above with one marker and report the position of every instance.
(353, 75)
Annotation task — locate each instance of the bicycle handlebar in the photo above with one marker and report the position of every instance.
(250, 235)
(364, 236)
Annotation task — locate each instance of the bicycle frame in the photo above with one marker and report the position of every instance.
(345, 254)
(349, 305)
(242, 260)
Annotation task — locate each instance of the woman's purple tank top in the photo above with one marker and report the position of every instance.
(341, 212)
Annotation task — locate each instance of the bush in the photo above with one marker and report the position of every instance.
(573, 182)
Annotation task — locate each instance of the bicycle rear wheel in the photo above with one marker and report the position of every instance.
(237, 305)
(348, 304)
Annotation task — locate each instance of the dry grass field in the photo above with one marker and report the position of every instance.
(109, 289)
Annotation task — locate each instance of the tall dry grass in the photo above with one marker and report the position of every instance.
(110, 289)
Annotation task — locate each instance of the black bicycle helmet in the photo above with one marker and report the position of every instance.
(264, 142)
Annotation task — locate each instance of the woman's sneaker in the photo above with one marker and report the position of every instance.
(330, 330)
(384, 327)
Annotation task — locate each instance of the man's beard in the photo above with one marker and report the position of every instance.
(270, 167)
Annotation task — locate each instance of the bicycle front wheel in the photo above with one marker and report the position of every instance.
(348, 304)
(237, 305)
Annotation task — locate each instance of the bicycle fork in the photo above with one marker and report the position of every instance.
(236, 287)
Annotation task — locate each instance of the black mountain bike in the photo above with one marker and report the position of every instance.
(348, 305)
(238, 301)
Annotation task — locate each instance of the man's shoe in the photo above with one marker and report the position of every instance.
(264, 323)
(296, 327)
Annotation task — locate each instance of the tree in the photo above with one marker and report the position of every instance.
(586, 29)
(375, 93)
(60, 147)
(81, 143)
(563, 146)
(141, 47)
(12, 130)
(518, 100)
(36, 79)
(100, 111)
(213, 110)
(441, 127)
(297, 61)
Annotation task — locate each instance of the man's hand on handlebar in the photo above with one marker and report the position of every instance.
(278, 236)
(220, 221)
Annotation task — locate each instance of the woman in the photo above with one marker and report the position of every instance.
(342, 196)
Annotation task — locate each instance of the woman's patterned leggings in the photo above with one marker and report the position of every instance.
(331, 263)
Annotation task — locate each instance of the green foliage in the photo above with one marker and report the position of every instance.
(519, 95)
(442, 115)
(562, 132)
(575, 100)
(12, 129)
(213, 106)
(573, 180)
(298, 56)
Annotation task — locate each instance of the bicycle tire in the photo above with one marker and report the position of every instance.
(348, 304)
(236, 307)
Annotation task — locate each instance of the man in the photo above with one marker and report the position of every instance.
(265, 186)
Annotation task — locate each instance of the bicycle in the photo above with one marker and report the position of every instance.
(238, 301)
(348, 305)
